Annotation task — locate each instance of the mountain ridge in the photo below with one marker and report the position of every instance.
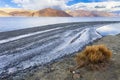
(2, 14)
(49, 12)
(85, 13)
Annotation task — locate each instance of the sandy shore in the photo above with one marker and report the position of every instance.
(20, 48)
(58, 70)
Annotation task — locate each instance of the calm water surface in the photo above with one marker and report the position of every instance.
(13, 23)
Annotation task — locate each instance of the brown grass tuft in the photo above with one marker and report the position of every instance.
(93, 56)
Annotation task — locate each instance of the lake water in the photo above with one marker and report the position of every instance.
(13, 23)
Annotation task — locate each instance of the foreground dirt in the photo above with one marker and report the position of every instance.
(59, 70)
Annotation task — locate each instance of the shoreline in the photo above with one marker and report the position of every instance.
(48, 66)
(58, 69)
(68, 61)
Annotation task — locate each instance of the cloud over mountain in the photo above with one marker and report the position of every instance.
(99, 6)
(41, 4)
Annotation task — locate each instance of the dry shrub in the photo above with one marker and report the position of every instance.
(95, 56)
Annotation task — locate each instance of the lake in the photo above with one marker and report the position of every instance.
(13, 23)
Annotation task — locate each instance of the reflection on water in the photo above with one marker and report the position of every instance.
(111, 29)
(13, 23)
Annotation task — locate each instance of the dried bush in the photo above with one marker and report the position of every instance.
(95, 56)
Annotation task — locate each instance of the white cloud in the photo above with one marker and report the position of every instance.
(40, 4)
(100, 6)
(7, 6)
(105, 5)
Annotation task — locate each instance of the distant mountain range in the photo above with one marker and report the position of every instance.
(116, 12)
(84, 13)
(49, 12)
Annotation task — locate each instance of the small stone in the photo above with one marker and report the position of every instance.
(113, 59)
(73, 72)
(52, 69)
(76, 76)
(114, 53)
(12, 70)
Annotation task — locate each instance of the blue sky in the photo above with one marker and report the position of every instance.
(7, 3)
(85, 1)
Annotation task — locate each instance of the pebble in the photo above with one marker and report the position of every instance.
(12, 70)
(73, 72)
